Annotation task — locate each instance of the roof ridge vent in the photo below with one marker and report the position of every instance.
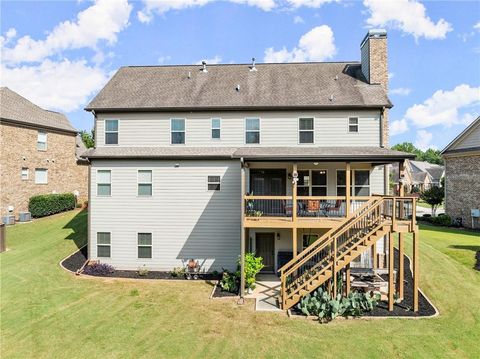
(204, 64)
(253, 68)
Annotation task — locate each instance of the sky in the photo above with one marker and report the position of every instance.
(59, 54)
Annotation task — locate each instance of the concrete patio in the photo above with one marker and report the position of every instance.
(266, 293)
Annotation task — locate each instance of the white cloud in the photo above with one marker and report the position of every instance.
(11, 33)
(164, 59)
(443, 108)
(308, 3)
(391, 75)
(401, 91)
(423, 140)
(100, 22)
(64, 85)
(406, 15)
(298, 20)
(398, 127)
(214, 60)
(477, 26)
(316, 45)
(152, 7)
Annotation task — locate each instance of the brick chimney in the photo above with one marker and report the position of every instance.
(375, 58)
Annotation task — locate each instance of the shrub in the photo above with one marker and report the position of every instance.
(48, 204)
(178, 272)
(99, 269)
(320, 304)
(230, 282)
(142, 271)
(443, 220)
(253, 265)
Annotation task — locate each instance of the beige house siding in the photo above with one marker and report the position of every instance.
(277, 128)
(462, 187)
(18, 149)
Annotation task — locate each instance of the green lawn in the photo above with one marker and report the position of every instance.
(49, 313)
(426, 205)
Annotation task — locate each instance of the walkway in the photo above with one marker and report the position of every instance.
(266, 292)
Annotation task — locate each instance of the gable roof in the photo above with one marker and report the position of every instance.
(434, 171)
(271, 86)
(17, 109)
(450, 147)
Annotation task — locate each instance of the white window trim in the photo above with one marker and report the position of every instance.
(111, 187)
(145, 245)
(27, 172)
(214, 128)
(298, 130)
(358, 124)
(184, 131)
(46, 175)
(310, 181)
(259, 131)
(46, 141)
(117, 132)
(104, 245)
(138, 183)
(219, 183)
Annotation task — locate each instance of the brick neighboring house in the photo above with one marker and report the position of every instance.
(462, 171)
(39, 153)
(418, 175)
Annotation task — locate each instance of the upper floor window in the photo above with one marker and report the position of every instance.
(145, 183)
(353, 124)
(24, 173)
(104, 183)
(42, 141)
(111, 132)
(214, 183)
(252, 130)
(216, 128)
(305, 130)
(177, 127)
(41, 176)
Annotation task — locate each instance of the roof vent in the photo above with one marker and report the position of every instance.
(331, 98)
(238, 87)
(336, 77)
(253, 68)
(189, 75)
(204, 64)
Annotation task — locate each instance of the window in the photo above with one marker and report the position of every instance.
(353, 124)
(24, 173)
(111, 132)
(177, 126)
(145, 183)
(42, 141)
(359, 182)
(216, 128)
(312, 183)
(305, 130)
(103, 244)
(252, 130)
(308, 239)
(144, 245)
(104, 183)
(213, 183)
(41, 176)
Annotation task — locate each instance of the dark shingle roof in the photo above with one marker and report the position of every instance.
(18, 109)
(250, 153)
(272, 86)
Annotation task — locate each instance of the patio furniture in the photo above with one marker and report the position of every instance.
(330, 207)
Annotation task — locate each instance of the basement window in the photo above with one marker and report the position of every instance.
(103, 244)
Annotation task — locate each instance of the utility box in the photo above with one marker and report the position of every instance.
(8, 219)
(475, 213)
(3, 238)
(24, 217)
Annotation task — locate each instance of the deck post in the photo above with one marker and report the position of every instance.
(400, 275)
(294, 242)
(374, 255)
(401, 173)
(416, 273)
(294, 196)
(391, 286)
(242, 232)
(347, 279)
(347, 189)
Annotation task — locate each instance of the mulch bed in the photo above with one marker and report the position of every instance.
(219, 293)
(477, 266)
(402, 309)
(76, 260)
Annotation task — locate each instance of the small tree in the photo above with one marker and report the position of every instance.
(88, 138)
(434, 197)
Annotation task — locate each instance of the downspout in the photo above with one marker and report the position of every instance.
(242, 233)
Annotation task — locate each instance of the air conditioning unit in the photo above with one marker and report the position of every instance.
(24, 217)
(8, 219)
(475, 212)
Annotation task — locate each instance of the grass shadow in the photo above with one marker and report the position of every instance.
(78, 225)
(462, 231)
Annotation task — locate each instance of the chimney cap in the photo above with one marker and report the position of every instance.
(374, 33)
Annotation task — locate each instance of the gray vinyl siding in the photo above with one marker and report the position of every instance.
(276, 128)
(472, 139)
(186, 220)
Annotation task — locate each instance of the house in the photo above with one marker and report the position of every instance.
(462, 171)
(39, 153)
(418, 175)
(208, 162)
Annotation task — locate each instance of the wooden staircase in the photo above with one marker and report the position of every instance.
(337, 248)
